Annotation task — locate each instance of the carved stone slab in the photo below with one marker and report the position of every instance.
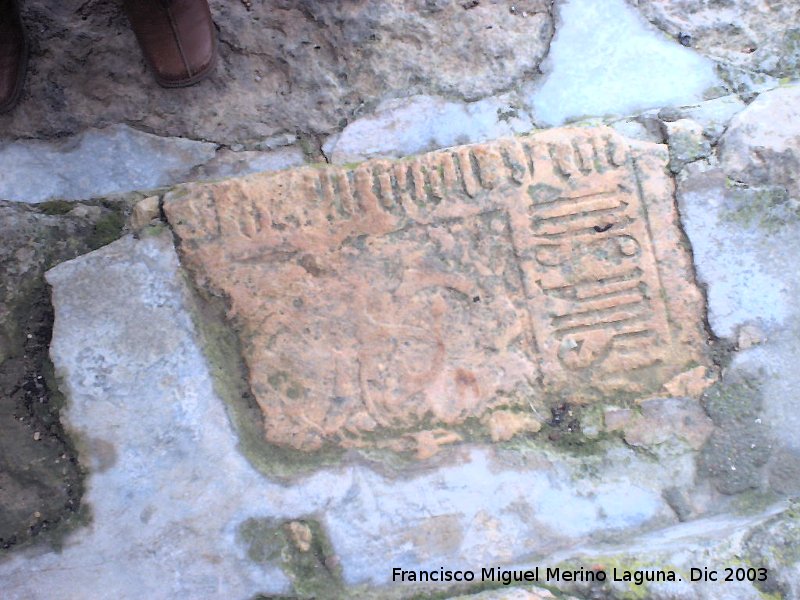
(399, 302)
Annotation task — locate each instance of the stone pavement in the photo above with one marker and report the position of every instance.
(572, 348)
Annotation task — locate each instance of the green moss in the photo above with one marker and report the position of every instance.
(107, 229)
(153, 230)
(310, 149)
(784, 548)
(753, 502)
(310, 564)
(56, 207)
(766, 208)
(728, 401)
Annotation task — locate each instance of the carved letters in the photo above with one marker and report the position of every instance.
(439, 288)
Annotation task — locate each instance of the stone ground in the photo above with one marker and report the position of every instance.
(126, 404)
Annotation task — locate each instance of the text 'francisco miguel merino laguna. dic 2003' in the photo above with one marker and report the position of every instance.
(536, 574)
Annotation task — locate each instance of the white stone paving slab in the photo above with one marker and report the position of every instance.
(168, 489)
(228, 163)
(762, 144)
(749, 270)
(420, 123)
(746, 244)
(605, 59)
(95, 163)
(120, 159)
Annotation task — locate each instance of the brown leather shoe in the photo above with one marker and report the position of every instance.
(13, 55)
(177, 38)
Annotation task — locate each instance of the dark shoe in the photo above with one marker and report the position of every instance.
(177, 38)
(13, 55)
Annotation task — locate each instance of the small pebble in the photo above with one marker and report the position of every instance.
(37, 436)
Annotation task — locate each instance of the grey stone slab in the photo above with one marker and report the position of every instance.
(762, 144)
(606, 60)
(229, 163)
(120, 159)
(746, 243)
(96, 163)
(748, 34)
(422, 123)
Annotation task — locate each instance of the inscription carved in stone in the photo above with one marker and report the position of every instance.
(396, 302)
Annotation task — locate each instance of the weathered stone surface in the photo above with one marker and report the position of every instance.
(750, 34)
(284, 66)
(633, 129)
(96, 163)
(762, 144)
(686, 143)
(741, 239)
(714, 115)
(606, 60)
(410, 296)
(659, 420)
(413, 125)
(229, 163)
(775, 545)
(120, 159)
(144, 212)
(745, 83)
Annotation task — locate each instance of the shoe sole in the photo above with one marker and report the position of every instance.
(20, 84)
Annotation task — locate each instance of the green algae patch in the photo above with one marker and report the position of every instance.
(768, 208)
(154, 230)
(775, 545)
(302, 550)
(107, 228)
(56, 207)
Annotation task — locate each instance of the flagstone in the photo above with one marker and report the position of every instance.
(395, 302)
